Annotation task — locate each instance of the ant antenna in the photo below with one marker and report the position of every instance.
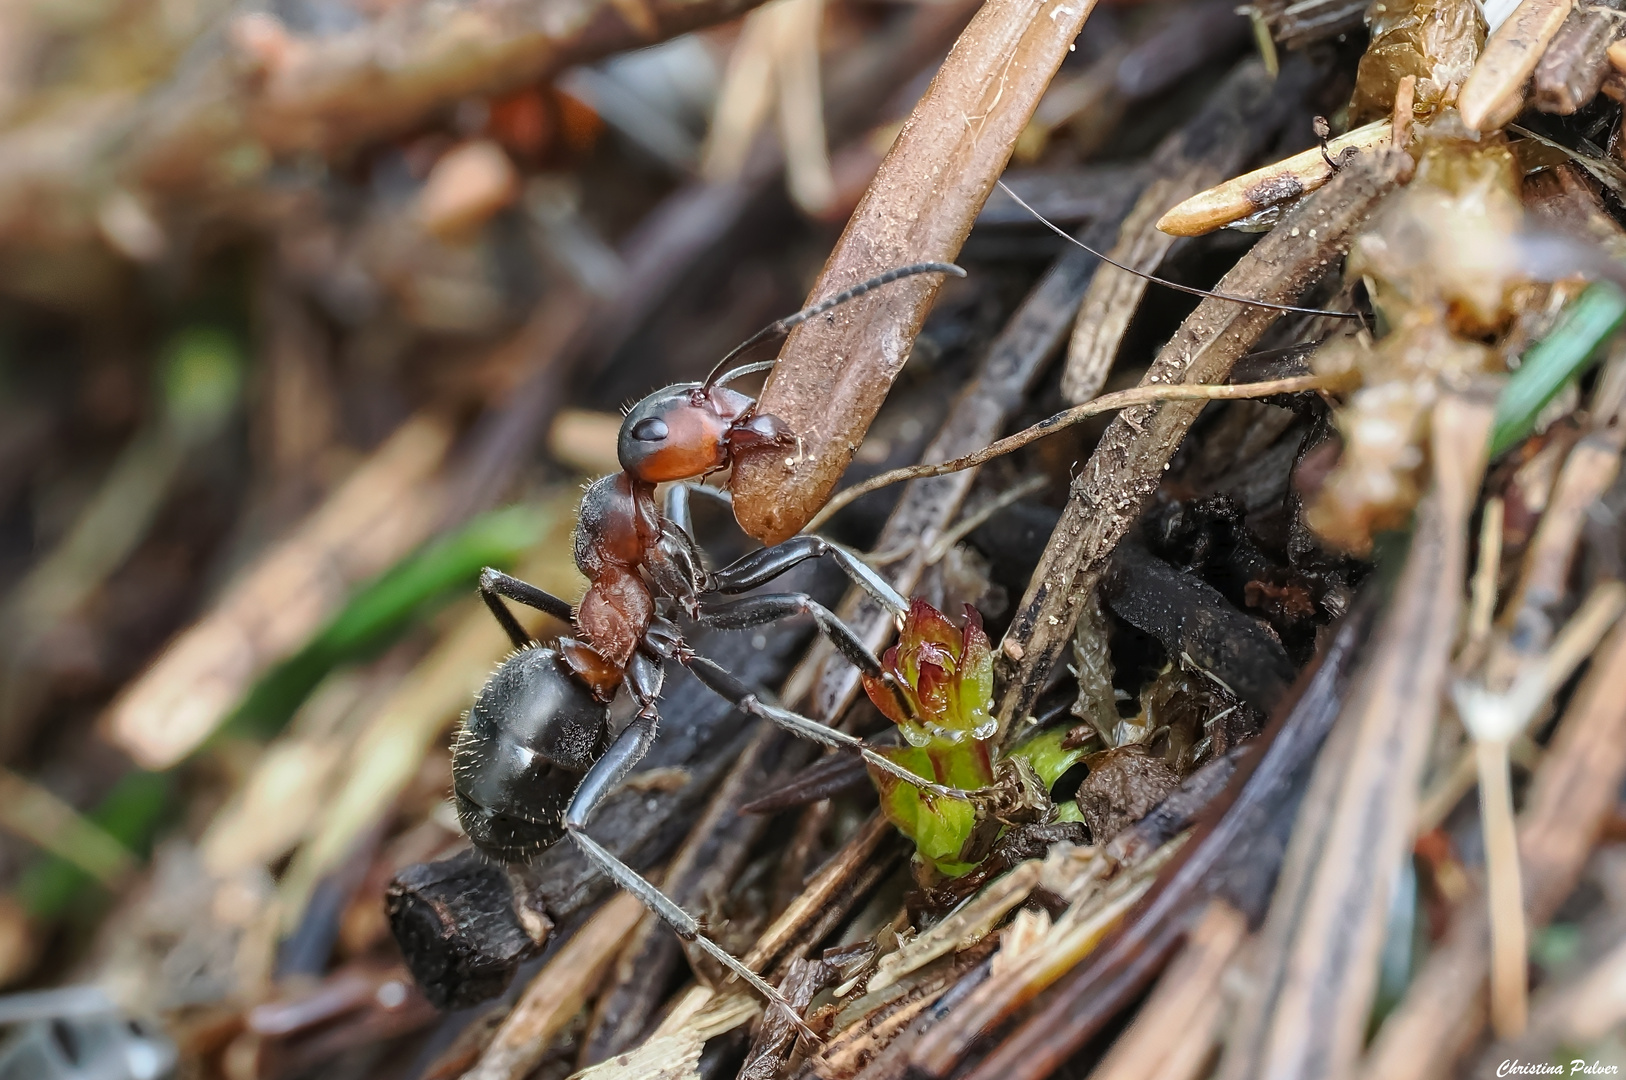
(785, 325)
(743, 370)
(1047, 223)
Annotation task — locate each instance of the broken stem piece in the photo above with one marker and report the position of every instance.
(1509, 973)
(1272, 184)
(1123, 399)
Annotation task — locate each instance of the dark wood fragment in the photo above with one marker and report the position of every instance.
(1572, 69)
(1193, 619)
(455, 923)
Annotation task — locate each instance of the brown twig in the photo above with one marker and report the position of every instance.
(1123, 399)
(834, 373)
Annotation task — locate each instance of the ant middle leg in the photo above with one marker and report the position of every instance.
(745, 699)
(494, 585)
(750, 611)
(601, 780)
(765, 564)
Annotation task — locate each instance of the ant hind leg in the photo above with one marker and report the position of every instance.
(494, 585)
(605, 777)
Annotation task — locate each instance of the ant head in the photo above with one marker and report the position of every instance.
(682, 432)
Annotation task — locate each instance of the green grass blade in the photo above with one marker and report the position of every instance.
(1553, 361)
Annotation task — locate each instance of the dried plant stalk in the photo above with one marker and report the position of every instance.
(1321, 941)
(1494, 92)
(1573, 792)
(834, 373)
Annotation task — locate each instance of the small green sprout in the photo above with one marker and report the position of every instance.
(944, 677)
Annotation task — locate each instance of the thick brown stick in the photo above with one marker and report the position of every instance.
(834, 372)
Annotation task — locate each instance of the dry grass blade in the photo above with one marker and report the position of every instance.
(40, 817)
(834, 373)
(1573, 792)
(386, 508)
(1129, 461)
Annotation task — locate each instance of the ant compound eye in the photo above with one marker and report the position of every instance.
(650, 429)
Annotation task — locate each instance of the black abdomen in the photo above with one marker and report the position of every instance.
(532, 734)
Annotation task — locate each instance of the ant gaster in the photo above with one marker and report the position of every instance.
(536, 756)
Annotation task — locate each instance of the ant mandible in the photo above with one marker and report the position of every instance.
(535, 756)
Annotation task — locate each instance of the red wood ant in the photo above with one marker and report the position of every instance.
(536, 757)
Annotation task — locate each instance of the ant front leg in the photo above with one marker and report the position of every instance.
(494, 585)
(742, 697)
(601, 780)
(764, 565)
(676, 508)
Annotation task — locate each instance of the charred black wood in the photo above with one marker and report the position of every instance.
(457, 928)
(1191, 618)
